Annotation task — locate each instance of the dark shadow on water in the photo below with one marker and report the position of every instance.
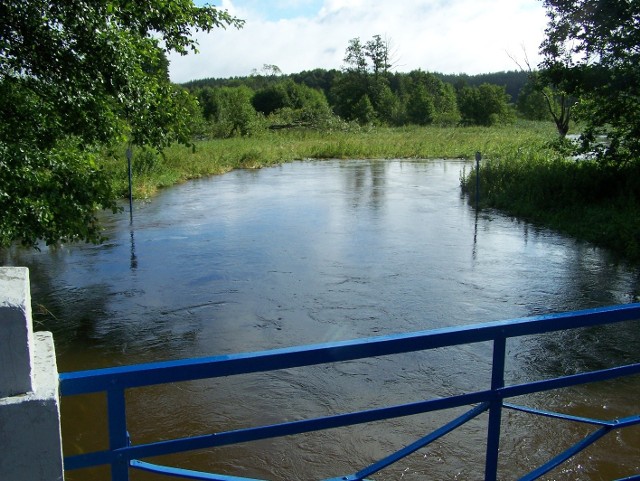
(134, 258)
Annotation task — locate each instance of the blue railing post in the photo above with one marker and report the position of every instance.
(495, 411)
(118, 439)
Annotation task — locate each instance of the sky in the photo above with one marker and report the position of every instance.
(446, 36)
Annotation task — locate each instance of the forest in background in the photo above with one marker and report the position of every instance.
(323, 98)
(363, 92)
(513, 80)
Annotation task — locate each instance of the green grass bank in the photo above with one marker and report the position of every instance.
(584, 199)
(520, 173)
(211, 157)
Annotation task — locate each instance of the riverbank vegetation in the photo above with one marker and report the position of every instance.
(588, 200)
(152, 171)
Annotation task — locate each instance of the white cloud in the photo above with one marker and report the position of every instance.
(454, 36)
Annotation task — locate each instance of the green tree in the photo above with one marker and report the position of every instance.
(346, 92)
(545, 96)
(267, 75)
(318, 79)
(532, 104)
(429, 99)
(349, 88)
(390, 109)
(560, 103)
(378, 51)
(484, 105)
(233, 112)
(208, 101)
(446, 105)
(365, 73)
(271, 98)
(593, 49)
(363, 111)
(74, 76)
(420, 108)
(303, 104)
(355, 57)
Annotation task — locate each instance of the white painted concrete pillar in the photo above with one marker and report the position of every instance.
(30, 440)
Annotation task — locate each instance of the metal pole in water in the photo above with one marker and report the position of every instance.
(478, 159)
(129, 156)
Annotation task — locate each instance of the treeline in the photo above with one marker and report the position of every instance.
(319, 98)
(322, 79)
(363, 92)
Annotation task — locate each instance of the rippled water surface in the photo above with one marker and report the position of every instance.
(332, 250)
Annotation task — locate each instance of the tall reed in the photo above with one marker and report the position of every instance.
(217, 156)
(583, 198)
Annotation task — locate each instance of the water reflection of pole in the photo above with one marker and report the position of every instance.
(478, 159)
(134, 258)
(474, 251)
(129, 156)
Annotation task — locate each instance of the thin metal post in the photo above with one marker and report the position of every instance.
(495, 411)
(129, 156)
(116, 406)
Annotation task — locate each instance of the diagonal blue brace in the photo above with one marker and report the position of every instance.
(184, 473)
(419, 444)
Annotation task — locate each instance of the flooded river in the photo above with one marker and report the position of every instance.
(320, 251)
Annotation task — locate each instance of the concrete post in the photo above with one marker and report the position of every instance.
(30, 440)
(16, 335)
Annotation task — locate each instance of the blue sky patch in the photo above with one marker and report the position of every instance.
(276, 9)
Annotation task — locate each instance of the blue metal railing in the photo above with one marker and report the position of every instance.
(122, 456)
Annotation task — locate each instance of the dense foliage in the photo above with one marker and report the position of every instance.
(484, 105)
(76, 76)
(592, 50)
(324, 98)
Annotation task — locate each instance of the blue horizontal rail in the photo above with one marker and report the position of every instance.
(123, 456)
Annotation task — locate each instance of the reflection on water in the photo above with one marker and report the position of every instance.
(134, 258)
(321, 251)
